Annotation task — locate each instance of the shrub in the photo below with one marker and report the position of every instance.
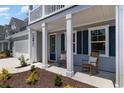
(3, 55)
(32, 78)
(23, 61)
(69, 86)
(33, 68)
(4, 86)
(8, 53)
(58, 80)
(4, 75)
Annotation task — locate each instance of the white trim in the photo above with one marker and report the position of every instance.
(55, 46)
(22, 33)
(117, 49)
(65, 41)
(4, 41)
(106, 27)
(117, 60)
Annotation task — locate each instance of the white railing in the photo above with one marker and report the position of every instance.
(37, 13)
(52, 8)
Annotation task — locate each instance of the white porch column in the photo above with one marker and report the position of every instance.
(34, 46)
(8, 45)
(69, 30)
(44, 45)
(30, 45)
(119, 46)
(43, 10)
(2, 46)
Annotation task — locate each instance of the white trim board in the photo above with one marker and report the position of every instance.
(19, 34)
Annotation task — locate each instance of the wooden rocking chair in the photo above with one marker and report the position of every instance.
(92, 63)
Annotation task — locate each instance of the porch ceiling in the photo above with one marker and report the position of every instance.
(88, 16)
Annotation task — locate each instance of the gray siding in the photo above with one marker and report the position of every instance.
(105, 63)
(39, 46)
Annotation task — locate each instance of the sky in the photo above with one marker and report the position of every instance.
(8, 11)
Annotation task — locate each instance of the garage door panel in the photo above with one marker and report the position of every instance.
(21, 48)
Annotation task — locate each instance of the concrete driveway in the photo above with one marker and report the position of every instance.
(11, 65)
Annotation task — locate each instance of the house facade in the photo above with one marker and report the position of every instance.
(18, 35)
(77, 30)
(4, 44)
(14, 37)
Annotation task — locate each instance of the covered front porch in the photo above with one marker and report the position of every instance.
(71, 32)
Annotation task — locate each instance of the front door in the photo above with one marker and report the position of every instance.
(53, 47)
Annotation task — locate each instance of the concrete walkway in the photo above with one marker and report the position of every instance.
(12, 63)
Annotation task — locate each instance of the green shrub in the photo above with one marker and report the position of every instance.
(4, 75)
(4, 86)
(8, 53)
(32, 78)
(3, 55)
(33, 68)
(23, 61)
(58, 80)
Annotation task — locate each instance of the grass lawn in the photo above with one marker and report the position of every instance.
(45, 80)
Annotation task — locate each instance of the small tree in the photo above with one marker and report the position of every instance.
(23, 61)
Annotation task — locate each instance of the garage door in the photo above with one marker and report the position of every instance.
(20, 48)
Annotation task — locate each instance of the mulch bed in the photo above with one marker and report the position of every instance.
(5, 57)
(45, 80)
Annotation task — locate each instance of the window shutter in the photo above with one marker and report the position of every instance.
(79, 42)
(62, 42)
(112, 41)
(85, 42)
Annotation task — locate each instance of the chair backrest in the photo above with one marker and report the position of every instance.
(62, 56)
(95, 54)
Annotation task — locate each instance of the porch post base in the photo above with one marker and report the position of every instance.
(117, 85)
(69, 73)
(45, 66)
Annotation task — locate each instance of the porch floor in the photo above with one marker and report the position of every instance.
(101, 80)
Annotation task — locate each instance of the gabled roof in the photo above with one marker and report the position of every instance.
(17, 22)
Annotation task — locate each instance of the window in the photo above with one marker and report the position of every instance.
(74, 42)
(99, 40)
(13, 27)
